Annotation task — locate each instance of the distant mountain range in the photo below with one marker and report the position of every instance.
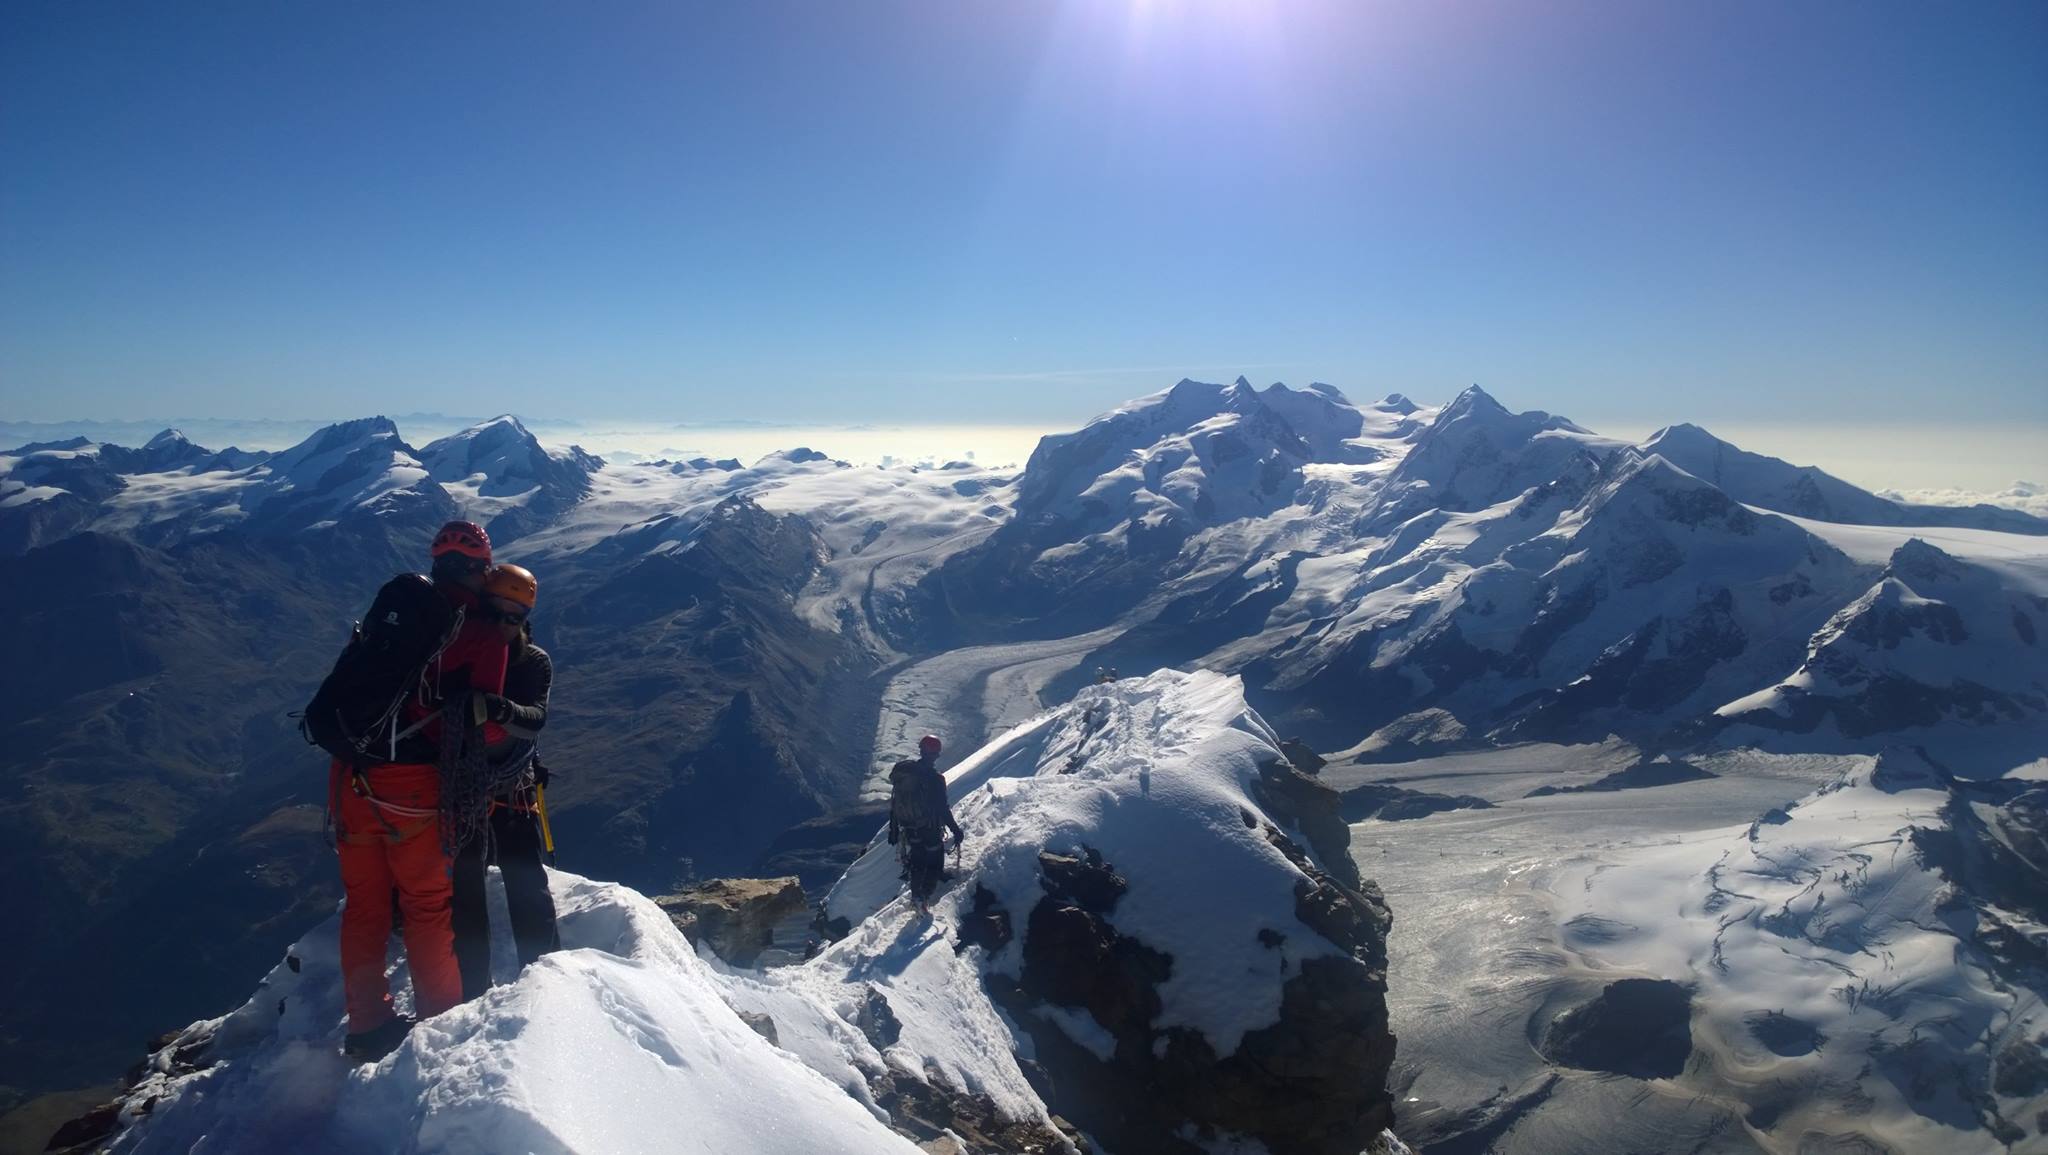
(739, 645)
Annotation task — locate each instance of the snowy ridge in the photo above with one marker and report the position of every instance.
(1935, 640)
(627, 1040)
(623, 1042)
(1853, 971)
(1179, 834)
(1755, 479)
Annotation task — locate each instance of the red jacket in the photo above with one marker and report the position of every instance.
(475, 660)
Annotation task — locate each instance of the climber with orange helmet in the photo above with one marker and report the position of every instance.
(511, 837)
(392, 827)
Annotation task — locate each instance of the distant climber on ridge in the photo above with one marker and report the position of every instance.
(919, 816)
(412, 666)
(513, 837)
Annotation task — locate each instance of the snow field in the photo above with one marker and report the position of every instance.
(1835, 986)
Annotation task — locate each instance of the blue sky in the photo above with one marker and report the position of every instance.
(1735, 213)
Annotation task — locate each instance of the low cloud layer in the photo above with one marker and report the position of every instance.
(2030, 496)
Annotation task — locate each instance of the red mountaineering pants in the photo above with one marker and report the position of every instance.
(391, 840)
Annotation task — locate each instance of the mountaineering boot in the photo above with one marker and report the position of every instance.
(377, 1042)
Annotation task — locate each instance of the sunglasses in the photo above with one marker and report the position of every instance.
(460, 563)
(510, 613)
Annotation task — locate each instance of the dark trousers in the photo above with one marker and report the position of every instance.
(514, 844)
(926, 858)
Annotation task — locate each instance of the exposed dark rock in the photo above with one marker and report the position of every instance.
(87, 1133)
(1301, 757)
(1784, 1035)
(949, 1122)
(1636, 777)
(876, 1020)
(1074, 958)
(1312, 1083)
(1314, 810)
(986, 925)
(1087, 882)
(1636, 1027)
(2022, 1068)
(1396, 804)
(1357, 920)
(735, 917)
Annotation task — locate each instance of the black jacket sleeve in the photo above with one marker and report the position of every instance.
(527, 682)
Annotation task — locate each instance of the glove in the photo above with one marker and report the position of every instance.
(540, 773)
(497, 708)
(892, 838)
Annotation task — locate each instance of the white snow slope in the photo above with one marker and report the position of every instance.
(627, 1040)
(1840, 985)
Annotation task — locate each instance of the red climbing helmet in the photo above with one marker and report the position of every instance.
(464, 537)
(928, 745)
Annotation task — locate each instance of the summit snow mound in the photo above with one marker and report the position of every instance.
(625, 1042)
(1159, 906)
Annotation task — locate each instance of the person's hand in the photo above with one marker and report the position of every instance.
(497, 708)
(892, 838)
(540, 773)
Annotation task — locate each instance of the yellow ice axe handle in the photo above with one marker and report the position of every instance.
(540, 804)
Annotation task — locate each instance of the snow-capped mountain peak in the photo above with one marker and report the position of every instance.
(504, 477)
(308, 458)
(1476, 453)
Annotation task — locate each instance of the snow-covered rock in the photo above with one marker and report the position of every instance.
(1183, 970)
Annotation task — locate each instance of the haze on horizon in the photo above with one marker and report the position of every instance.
(1791, 221)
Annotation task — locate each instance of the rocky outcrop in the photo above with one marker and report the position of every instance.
(1637, 1027)
(1395, 803)
(1314, 810)
(1640, 776)
(1311, 1083)
(735, 917)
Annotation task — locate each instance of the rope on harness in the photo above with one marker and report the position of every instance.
(465, 775)
(469, 781)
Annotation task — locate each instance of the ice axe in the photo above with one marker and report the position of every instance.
(547, 833)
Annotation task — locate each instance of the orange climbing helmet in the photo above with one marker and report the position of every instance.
(512, 583)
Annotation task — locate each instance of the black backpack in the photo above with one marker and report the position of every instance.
(355, 711)
(910, 796)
